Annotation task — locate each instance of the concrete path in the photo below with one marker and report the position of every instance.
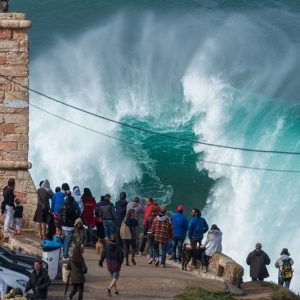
(142, 281)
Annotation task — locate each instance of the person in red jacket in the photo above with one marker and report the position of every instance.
(148, 210)
(88, 214)
(150, 205)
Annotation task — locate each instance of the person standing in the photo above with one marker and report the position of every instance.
(39, 281)
(120, 206)
(8, 203)
(78, 268)
(99, 225)
(18, 216)
(257, 260)
(88, 214)
(148, 210)
(56, 204)
(196, 230)
(213, 244)
(129, 236)
(108, 215)
(138, 208)
(284, 264)
(180, 226)
(162, 233)
(114, 256)
(148, 230)
(44, 194)
(68, 214)
(77, 196)
(79, 237)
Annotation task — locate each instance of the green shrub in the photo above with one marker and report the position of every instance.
(280, 293)
(192, 293)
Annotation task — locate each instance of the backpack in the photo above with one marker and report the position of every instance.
(286, 271)
(68, 214)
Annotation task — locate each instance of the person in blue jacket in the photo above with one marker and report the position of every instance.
(197, 228)
(180, 227)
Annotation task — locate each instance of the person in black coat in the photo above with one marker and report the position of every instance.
(39, 282)
(121, 208)
(257, 260)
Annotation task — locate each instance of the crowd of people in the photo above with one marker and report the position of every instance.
(124, 229)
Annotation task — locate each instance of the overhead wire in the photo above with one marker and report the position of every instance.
(79, 125)
(134, 144)
(152, 131)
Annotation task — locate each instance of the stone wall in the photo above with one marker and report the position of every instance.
(14, 111)
(226, 269)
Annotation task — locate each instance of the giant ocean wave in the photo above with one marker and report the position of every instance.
(211, 75)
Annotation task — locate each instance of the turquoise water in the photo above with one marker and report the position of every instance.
(223, 72)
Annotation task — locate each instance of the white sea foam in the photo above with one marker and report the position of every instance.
(249, 206)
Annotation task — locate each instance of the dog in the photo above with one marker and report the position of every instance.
(188, 253)
(100, 245)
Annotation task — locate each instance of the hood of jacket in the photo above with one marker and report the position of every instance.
(216, 232)
(76, 191)
(162, 217)
(284, 257)
(257, 252)
(112, 246)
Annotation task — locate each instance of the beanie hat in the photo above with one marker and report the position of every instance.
(180, 208)
(285, 251)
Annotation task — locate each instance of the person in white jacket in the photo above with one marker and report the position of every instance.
(284, 264)
(212, 245)
(3, 288)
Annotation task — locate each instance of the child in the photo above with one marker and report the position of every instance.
(78, 269)
(18, 216)
(114, 257)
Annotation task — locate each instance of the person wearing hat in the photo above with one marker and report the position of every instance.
(79, 236)
(284, 264)
(180, 227)
(257, 260)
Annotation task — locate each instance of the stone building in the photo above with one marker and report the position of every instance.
(14, 111)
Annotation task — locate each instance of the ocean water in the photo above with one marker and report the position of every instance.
(221, 72)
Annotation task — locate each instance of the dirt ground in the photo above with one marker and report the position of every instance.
(142, 281)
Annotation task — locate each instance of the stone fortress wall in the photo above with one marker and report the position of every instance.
(14, 111)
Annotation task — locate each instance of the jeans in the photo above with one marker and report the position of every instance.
(68, 234)
(76, 287)
(177, 244)
(150, 241)
(109, 228)
(9, 211)
(284, 283)
(164, 247)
